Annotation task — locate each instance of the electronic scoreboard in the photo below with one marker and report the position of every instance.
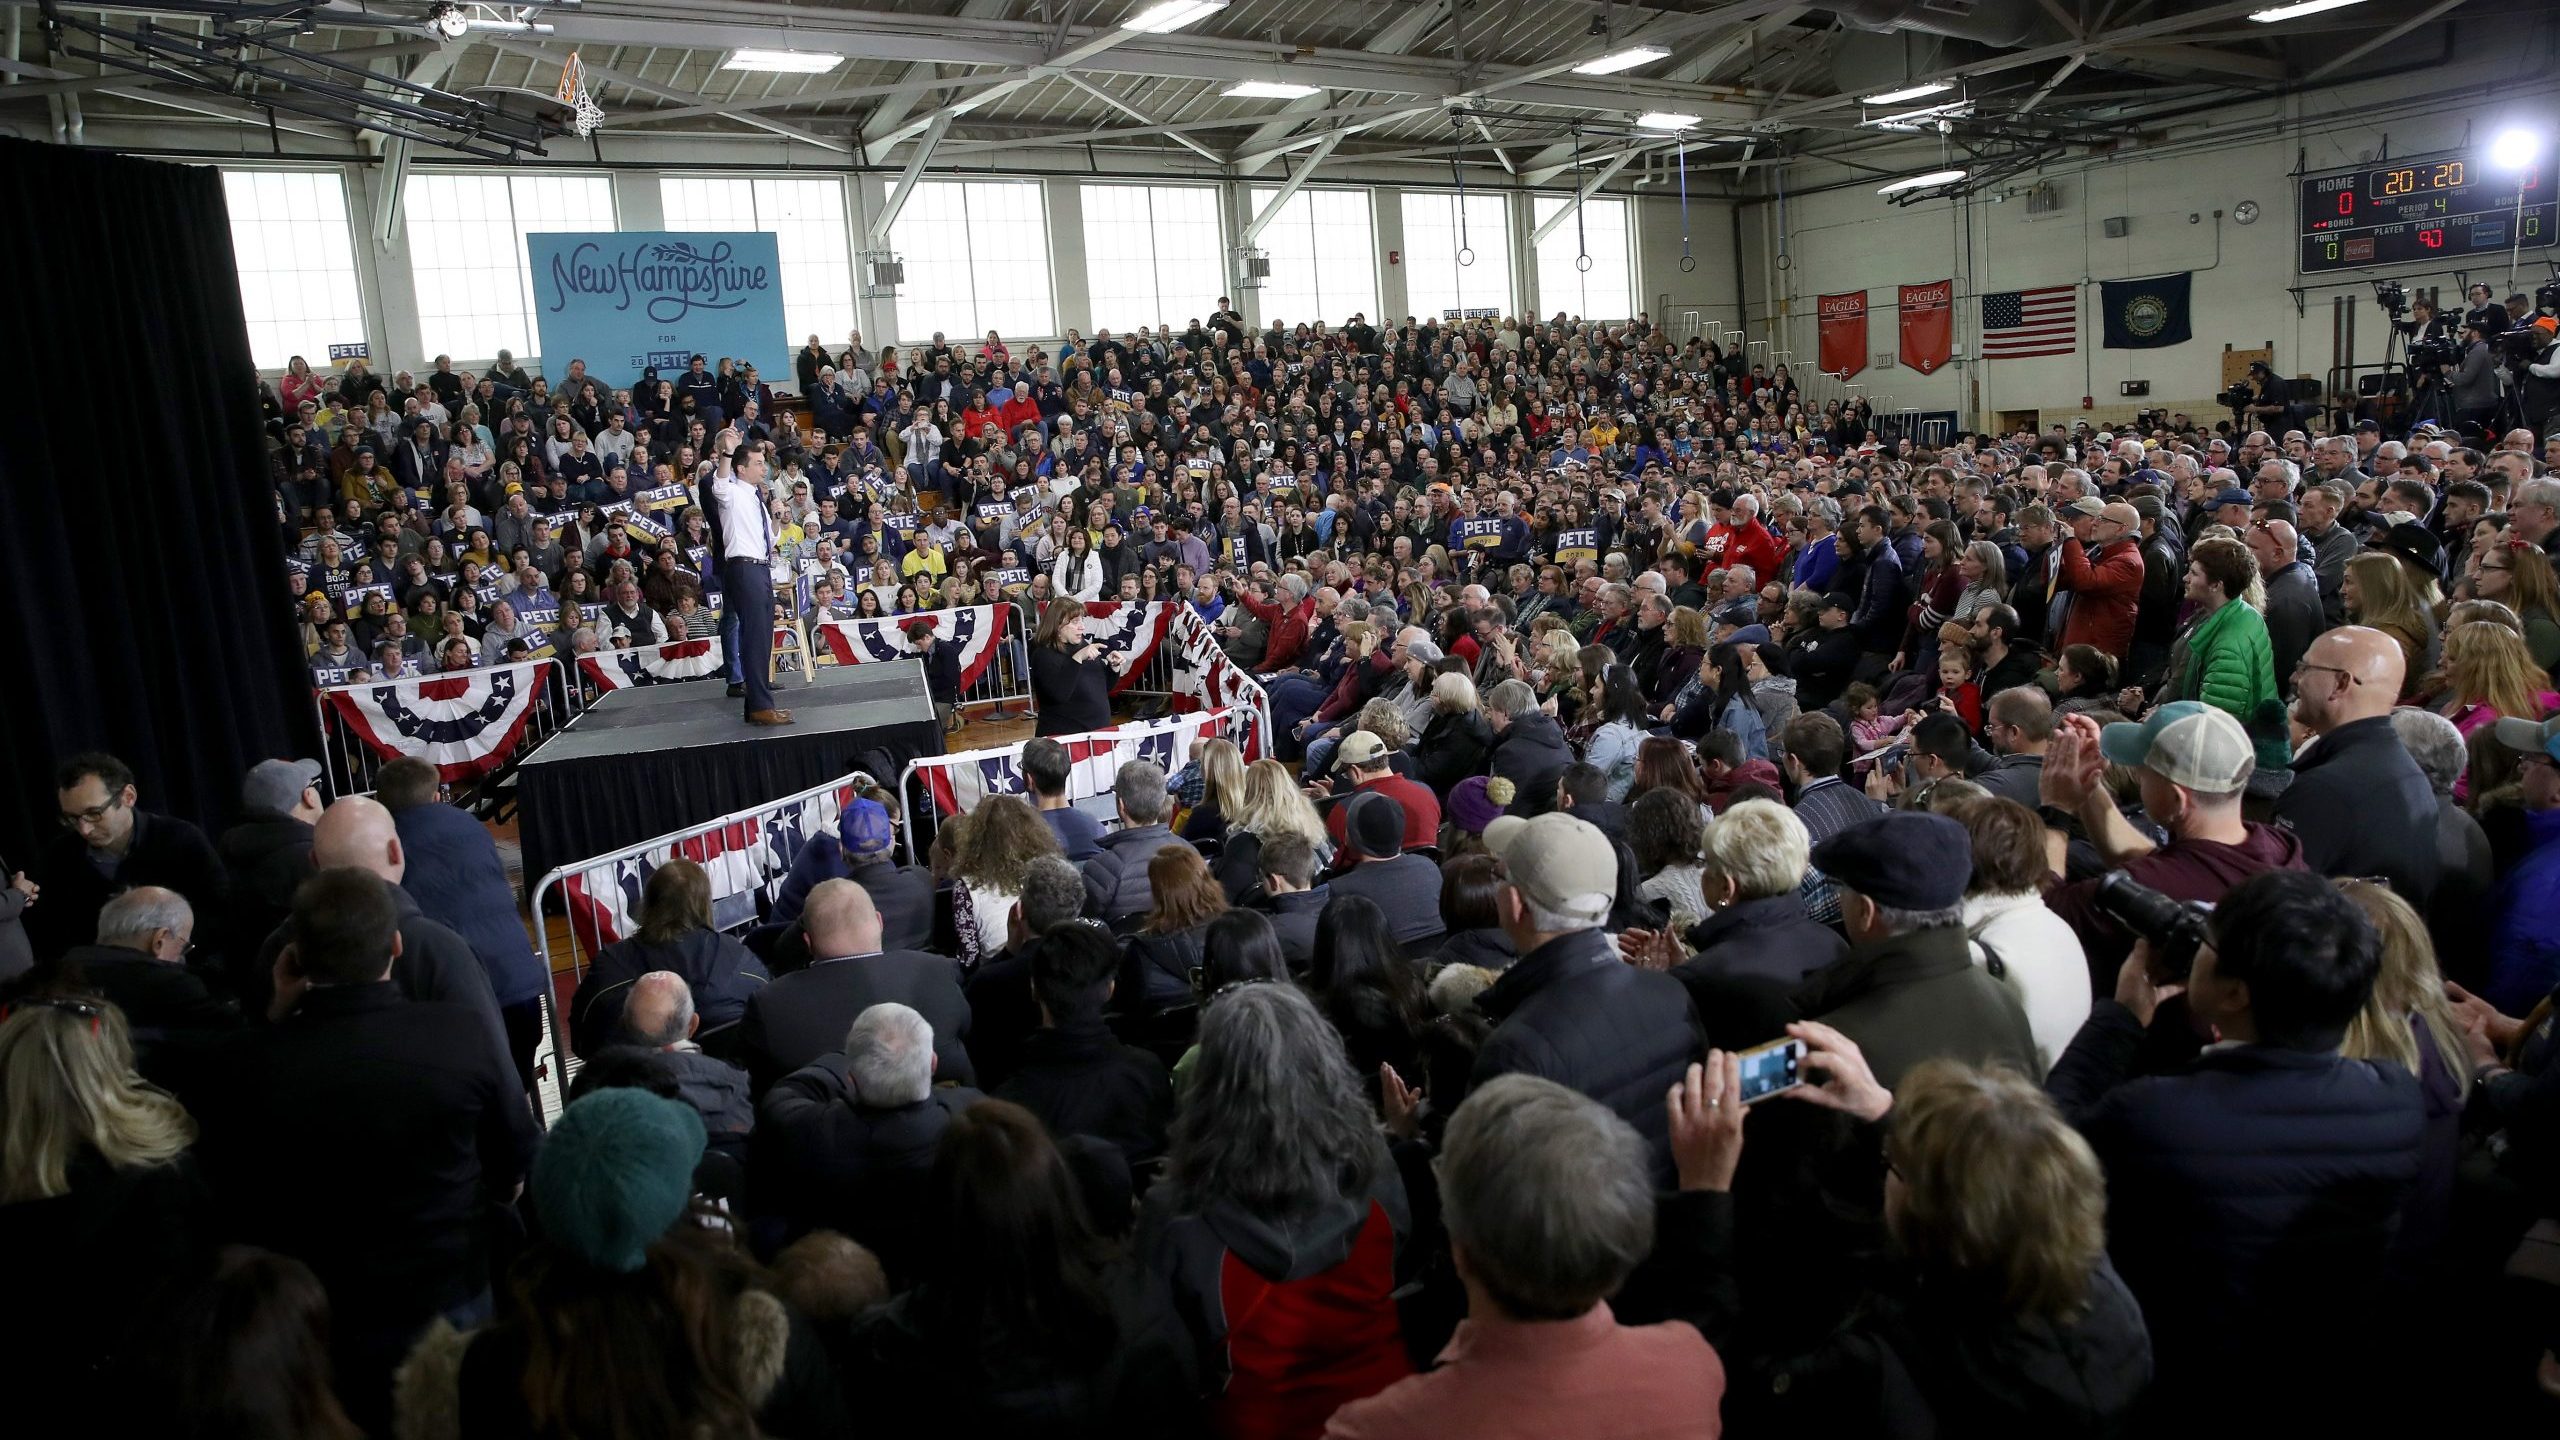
(2438, 209)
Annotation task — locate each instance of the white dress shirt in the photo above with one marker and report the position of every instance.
(744, 521)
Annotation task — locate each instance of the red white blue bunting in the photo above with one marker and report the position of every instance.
(974, 630)
(465, 724)
(958, 782)
(651, 664)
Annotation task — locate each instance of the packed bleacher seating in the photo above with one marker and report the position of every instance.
(2115, 872)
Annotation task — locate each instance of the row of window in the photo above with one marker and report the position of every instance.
(976, 252)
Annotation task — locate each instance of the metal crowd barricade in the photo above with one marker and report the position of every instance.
(746, 855)
(349, 762)
(1088, 777)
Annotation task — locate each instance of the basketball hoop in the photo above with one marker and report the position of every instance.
(585, 114)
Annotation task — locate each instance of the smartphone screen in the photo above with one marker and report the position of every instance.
(1771, 1068)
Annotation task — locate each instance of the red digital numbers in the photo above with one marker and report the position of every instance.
(2346, 202)
(2432, 239)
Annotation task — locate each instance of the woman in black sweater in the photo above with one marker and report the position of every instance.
(1070, 676)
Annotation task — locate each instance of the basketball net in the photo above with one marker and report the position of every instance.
(585, 113)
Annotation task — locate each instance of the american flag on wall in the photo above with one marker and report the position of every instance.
(2020, 324)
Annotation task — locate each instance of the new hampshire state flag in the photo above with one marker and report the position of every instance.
(2146, 314)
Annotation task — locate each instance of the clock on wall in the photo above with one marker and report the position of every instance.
(2245, 212)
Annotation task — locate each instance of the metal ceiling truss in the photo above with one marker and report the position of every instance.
(247, 44)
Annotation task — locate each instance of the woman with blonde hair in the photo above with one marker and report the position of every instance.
(1221, 790)
(1997, 1209)
(100, 1200)
(2513, 572)
(2378, 595)
(1003, 836)
(2410, 1023)
(1270, 803)
(1689, 639)
(2487, 675)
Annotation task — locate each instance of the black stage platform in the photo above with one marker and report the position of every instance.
(657, 758)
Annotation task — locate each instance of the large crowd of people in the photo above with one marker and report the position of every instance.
(2141, 847)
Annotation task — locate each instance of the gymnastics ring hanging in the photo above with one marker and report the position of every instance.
(1688, 262)
(1581, 244)
(1457, 143)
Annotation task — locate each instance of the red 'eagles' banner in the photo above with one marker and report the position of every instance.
(1844, 333)
(1928, 325)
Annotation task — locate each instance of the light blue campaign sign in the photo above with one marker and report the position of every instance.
(622, 300)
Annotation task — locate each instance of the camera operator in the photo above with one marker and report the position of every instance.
(2194, 763)
(2473, 377)
(2270, 400)
(2538, 388)
(2254, 1191)
(2485, 313)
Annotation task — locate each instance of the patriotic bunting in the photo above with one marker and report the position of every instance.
(1204, 678)
(958, 782)
(465, 724)
(651, 665)
(1134, 630)
(745, 855)
(974, 630)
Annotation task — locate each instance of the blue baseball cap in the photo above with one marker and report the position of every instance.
(864, 829)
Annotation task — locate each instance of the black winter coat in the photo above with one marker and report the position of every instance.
(1530, 753)
(2252, 1196)
(1571, 1011)
(1452, 748)
(1915, 1359)
(819, 1161)
(720, 972)
(1749, 957)
(1080, 1080)
(806, 1013)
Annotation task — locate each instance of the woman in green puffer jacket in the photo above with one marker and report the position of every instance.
(2230, 663)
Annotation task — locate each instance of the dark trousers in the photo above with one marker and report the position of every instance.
(747, 586)
(523, 1023)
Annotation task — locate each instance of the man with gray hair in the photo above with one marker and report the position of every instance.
(846, 1142)
(1115, 880)
(1528, 746)
(1909, 990)
(659, 1016)
(2458, 913)
(140, 963)
(1549, 1207)
(1570, 1010)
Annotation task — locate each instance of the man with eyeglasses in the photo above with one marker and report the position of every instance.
(107, 845)
(2360, 803)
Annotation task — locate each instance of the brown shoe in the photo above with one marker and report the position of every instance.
(768, 717)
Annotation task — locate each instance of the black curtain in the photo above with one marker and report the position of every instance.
(142, 566)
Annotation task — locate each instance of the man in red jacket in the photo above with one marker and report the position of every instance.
(1743, 540)
(2102, 568)
(1365, 762)
(1288, 613)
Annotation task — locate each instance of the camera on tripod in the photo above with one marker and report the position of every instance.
(2434, 353)
(2393, 299)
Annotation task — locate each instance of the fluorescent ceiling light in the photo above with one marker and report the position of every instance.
(1166, 16)
(1665, 120)
(1910, 92)
(1910, 119)
(2299, 9)
(1270, 90)
(783, 62)
(1627, 59)
(1921, 182)
(2515, 149)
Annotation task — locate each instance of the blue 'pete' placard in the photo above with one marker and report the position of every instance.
(621, 300)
